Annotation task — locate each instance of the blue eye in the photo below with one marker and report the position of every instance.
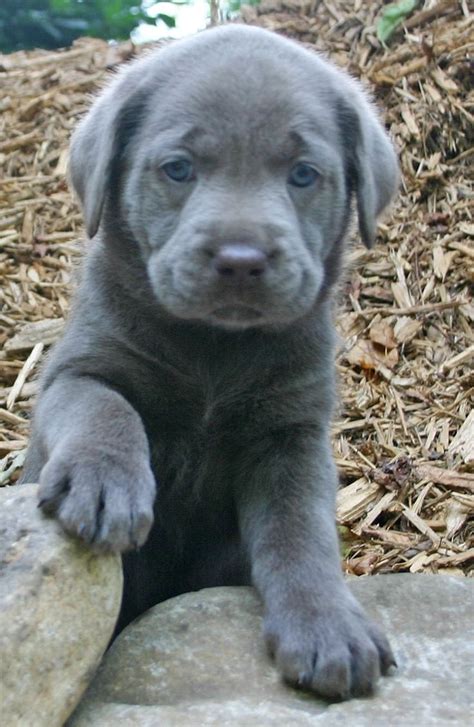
(179, 171)
(302, 175)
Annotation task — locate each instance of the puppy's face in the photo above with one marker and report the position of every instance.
(236, 178)
(237, 204)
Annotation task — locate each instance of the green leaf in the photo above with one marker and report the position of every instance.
(392, 17)
(168, 20)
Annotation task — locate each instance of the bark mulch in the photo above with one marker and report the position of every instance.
(404, 435)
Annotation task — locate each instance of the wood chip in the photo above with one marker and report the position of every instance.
(26, 370)
(459, 359)
(449, 478)
(353, 500)
(45, 332)
(463, 442)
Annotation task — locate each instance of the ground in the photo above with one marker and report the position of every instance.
(404, 434)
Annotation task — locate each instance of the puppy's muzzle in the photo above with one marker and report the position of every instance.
(240, 263)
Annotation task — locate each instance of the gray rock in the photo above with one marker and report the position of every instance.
(199, 660)
(58, 606)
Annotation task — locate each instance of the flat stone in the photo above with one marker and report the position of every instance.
(199, 659)
(58, 607)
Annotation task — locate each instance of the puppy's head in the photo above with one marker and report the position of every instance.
(230, 160)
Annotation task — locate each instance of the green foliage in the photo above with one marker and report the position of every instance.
(56, 23)
(233, 6)
(392, 17)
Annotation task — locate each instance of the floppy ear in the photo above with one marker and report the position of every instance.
(371, 162)
(96, 145)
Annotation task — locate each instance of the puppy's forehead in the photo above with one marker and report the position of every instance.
(270, 105)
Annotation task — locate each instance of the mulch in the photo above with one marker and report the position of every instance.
(404, 434)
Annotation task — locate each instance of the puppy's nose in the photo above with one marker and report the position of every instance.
(240, 262)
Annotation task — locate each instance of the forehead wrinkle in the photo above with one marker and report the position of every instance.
(315, 143)
(207, 145)
(280, 122)
(278, 144)
(201, 142)
(167, 138)
(244, 151)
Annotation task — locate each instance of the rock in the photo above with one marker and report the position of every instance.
(199, 660)
(58, 607)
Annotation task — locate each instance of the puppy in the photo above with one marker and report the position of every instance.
(184, 417)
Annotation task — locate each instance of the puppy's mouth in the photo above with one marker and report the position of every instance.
(236, 315)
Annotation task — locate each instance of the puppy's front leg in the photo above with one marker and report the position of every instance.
(316, 630)
(95, 472)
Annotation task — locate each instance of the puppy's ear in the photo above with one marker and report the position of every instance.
(96, 145)
(371, 162)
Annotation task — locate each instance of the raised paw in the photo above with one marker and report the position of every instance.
(105, 500)
(337, 654)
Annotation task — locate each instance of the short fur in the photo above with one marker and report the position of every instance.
(184, 416)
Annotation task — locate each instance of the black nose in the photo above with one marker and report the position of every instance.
(240, 262)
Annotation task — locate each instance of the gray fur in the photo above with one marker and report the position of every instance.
(199, 399)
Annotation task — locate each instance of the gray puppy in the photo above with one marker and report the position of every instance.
(186, 410)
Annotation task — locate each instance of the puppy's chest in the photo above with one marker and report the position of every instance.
(196, 437)
(196, 429)
(194, 463)
(203, 414)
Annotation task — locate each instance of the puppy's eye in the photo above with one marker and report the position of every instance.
(302, 175)
(179, 171)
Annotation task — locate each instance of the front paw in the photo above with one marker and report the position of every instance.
(337, 653)
(104, 499)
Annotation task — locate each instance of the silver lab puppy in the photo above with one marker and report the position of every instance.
(184, 416)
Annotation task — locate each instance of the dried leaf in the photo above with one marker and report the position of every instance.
(382, 333)
(393, 475)
(366, 355)
(364, 565)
